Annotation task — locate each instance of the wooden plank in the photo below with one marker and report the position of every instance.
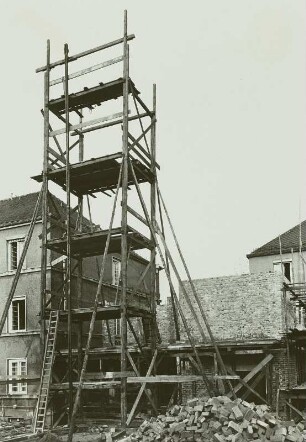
(143, 159)
(142, 103)
(88, 70)
(159, 379)
(134, 334)
(136, 142)
(84, 53)
(253, 385)
(142, 276)
(86, 123)
(171, 379)
(248, 352)
(112, 123)
(139, 217)
(246, 385)
(147, 392)
(132, 412)
(56, 155)
(5, 380)
(58, 260)
(253, 372)
(296, 410)
(108, 375)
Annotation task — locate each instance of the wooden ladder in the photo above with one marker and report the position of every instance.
(45, 379)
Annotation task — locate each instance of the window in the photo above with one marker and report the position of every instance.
(116, 271)
(17, 315)
(17, 367)
(15, 247)
(117, 326)
(284, 267)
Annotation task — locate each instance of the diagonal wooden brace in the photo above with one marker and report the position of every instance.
(142, 388)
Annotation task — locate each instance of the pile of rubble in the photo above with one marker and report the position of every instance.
(218, 419)
(10, 429)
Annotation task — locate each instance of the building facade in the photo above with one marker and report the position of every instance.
(284, 254)
(20, 341)
(258, 323)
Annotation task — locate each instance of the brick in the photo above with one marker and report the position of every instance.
(250, 429)
(177, 426)
(292, 437)
(249, 414)
(192, 402)
(175, 410)
(237, 437)
(237, 412)
(288, 423)
(169, 419)
(233, 425)
(262, 424)
(216, 426)
(186, 434)
(277, 438)
(218, 437)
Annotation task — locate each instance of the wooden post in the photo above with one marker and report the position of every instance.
(68, 251)
(174, 312)
(153, 327)
(80, 260)
(80, 264)
(209, 385)
(93, 316)
(198, 301)
(178, 386)
(43, 268)
(124, 251)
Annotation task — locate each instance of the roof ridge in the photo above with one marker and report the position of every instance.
(259, 251)
(19, 196)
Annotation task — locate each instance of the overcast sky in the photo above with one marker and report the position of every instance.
(231, 132)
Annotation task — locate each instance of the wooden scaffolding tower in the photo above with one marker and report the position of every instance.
(68, 239)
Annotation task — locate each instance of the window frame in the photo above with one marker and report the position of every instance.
(22, 388)
(117, 261)
(281, 265)
(10, 316)
(10, 241)
(118, 327)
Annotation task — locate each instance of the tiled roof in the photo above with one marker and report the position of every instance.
(19, 210)
(289, 240)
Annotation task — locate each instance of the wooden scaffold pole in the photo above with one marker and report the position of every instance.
(44, 253)
(68, 237)
(124, 245)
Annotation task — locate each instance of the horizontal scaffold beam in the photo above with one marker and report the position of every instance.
(84, 53)
(166, 379)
